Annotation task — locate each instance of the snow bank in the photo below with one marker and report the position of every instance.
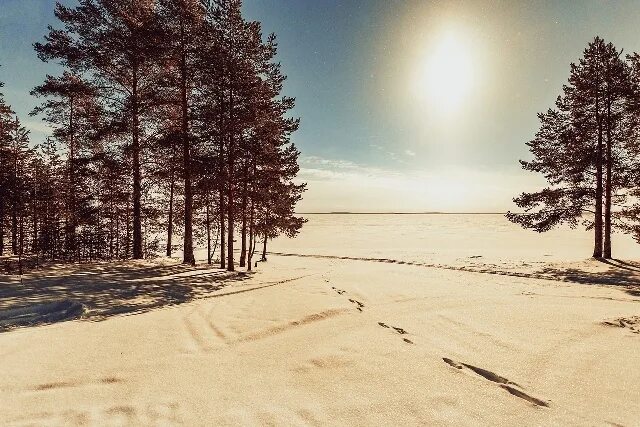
(37, 314)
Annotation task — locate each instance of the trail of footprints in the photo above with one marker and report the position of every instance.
(360, 307)
(513, 388)
(398, 330)
(631, 323)
(504, 383)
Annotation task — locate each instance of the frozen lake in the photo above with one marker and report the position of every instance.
(443, 238)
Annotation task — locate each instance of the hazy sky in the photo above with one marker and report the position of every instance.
(405, 105)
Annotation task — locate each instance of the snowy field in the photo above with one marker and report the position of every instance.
(444, 238)
(375, 320)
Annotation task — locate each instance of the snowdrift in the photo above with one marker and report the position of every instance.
(38, 314)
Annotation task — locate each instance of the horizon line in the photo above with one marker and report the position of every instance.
(399, 213)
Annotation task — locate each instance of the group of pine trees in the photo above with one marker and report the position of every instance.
(167, 119)
(588, 149)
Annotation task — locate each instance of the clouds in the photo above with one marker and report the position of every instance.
(343, 185)
(392, 155)
(333, 164)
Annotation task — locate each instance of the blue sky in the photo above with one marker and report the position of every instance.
(372, 135)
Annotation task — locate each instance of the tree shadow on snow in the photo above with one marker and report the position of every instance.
(105, 290)
(621, 273)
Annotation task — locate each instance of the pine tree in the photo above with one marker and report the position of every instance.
(152, 92)
(619, 128)
(116, 44)
(19, 154)
(71, 109)
(182, 21)
(51, 201)
(580, 148)
(6, 124)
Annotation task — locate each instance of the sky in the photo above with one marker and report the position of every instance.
(405, 106)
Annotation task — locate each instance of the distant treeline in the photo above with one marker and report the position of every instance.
(588, 149)
(168, 119)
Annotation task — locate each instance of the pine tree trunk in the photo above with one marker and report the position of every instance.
(117, 250)
(170, 219)
(188, 206)
(221, 172)
(221, 203)
(249, 254)
(208, 225)
(597, 222)
(264, 248)
(188, 191)
(71, 240)
(137, 184)
(127, 246)
(2, 225)
(608, 190)
(597, 249)
(34, 243)
(230, 197)
(255, 242)
(243, 253)
(222, 230)
(57, 244)
(230, 225)
(251, 239)
(14, 232)
(14, 228)
(14, 199)
(21, 246)
(111, 231)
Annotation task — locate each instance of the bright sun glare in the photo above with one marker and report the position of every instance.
(447, 74)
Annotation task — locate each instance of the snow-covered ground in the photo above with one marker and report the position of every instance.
(445, 238)
(389, 326)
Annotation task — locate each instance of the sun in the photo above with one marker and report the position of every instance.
(447, 74)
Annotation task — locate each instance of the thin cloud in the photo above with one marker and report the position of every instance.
(342, 185)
